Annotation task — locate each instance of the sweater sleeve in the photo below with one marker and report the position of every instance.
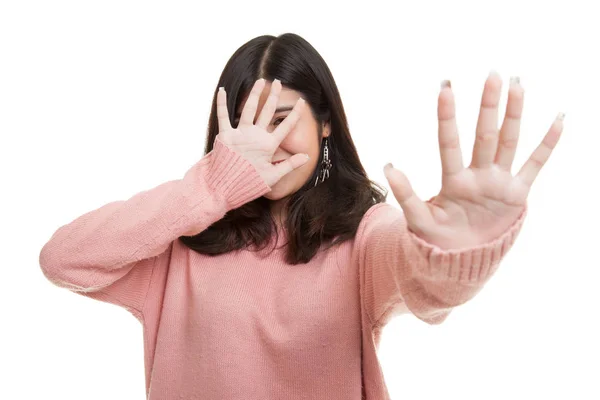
(400, 271)
(109, 253)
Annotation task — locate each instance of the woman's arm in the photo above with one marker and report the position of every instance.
(398, 268)
(109, 253)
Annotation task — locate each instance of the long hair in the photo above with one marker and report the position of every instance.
(326, 214)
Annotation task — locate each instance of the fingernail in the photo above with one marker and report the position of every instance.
(388, 166)
(514, 80)
(307, 156)
(221, 88)
(445, 83)
(560, 116)
(493, 72)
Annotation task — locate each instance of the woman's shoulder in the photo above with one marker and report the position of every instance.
(376, 215)
(379, 213)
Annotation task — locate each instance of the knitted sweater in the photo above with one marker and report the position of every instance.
(245, 324)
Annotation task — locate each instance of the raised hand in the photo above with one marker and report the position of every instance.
(252, 140)
(478, 203)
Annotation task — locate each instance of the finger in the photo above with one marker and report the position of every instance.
(538, 158)
(509, 133)
(290, 120)
(249, 111)
(268, 109)
(415, 210)
(486, 133)
(222, 114)
(449, 142)
(287, 166)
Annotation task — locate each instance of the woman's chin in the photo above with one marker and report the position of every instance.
(274, 196)
(277, 192)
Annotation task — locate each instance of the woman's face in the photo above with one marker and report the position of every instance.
(303, 138)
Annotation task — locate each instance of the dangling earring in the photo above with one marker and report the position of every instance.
(325, 165)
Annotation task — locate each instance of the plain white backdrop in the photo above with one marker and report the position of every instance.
(101, 100)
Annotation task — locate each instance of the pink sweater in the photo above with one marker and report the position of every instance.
(246, 325)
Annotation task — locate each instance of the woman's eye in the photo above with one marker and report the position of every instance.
(236, 121)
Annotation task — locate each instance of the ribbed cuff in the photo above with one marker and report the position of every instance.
(234, 177)
(474, 264)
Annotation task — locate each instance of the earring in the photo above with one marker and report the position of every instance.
(325, 165)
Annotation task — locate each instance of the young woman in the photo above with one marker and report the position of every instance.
(270, 268)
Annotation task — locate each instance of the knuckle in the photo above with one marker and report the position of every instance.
(536, 162)
(509, 143)
(514, 115)
(485, 136)
(450, 141)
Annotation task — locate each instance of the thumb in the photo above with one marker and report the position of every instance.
(292, 163)
(415, 210)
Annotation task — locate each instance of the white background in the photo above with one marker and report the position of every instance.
(101, 100)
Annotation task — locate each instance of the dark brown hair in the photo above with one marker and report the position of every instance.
(328, 213)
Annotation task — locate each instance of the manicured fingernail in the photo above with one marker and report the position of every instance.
(445, 83)
(493, 72)
(560, 116)
(514, 80)
(307, 156)
(388, 166)
(221, 88)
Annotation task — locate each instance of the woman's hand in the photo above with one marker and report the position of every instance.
(253, 141)
(475, 204)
